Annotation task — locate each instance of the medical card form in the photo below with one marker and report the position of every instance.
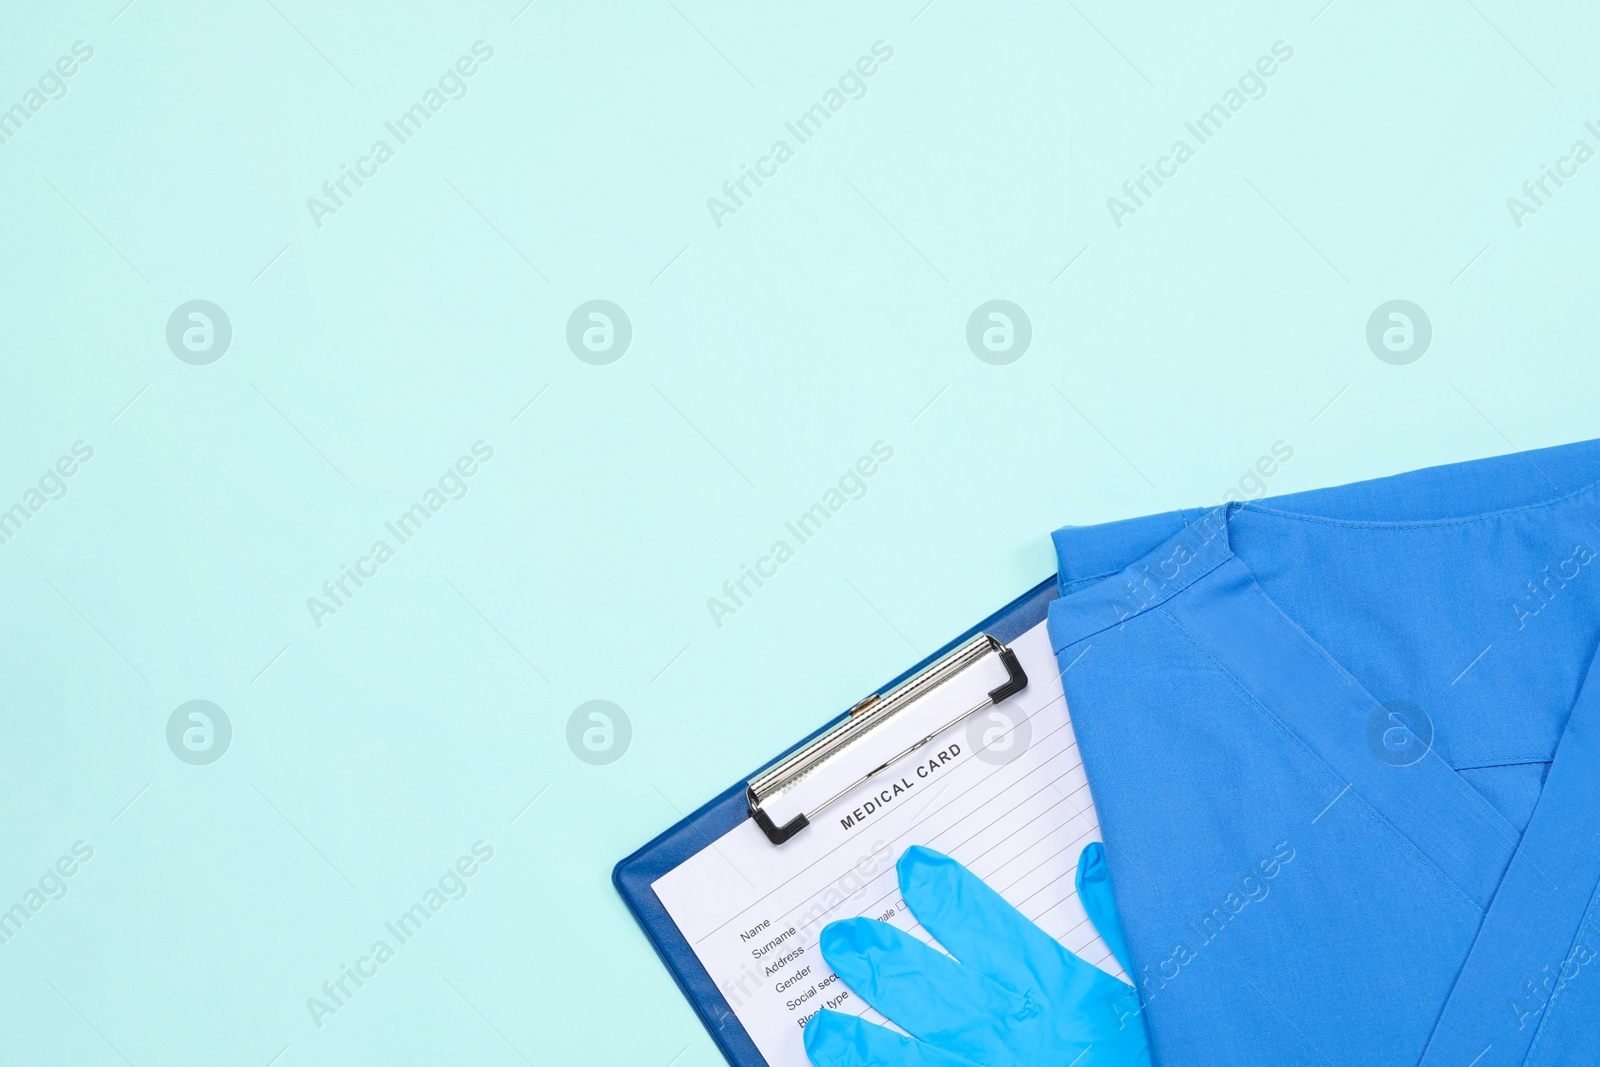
(1002, 791)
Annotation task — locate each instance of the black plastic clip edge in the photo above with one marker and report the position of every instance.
(1016, 680)
(775, 833)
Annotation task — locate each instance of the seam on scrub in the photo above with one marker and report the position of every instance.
(1184, 513)
(1420, 524)
(1372, 814)
(1090, 578)
(1501, 761)
(1550, 1005)
(1119, 623)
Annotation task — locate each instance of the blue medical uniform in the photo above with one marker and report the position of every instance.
(1345, 749)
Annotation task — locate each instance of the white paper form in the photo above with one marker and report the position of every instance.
(1006, 796)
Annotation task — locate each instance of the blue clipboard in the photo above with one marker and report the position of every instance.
(634, 876)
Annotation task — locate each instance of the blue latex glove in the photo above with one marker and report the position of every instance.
(1011, 997)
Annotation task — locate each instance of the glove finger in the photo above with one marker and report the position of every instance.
(982, 930)
(923, 991)
(1094, 892)
(834, 1039)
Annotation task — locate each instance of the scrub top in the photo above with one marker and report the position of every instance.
(1345, 750)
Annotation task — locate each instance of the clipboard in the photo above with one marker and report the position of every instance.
(751, 798)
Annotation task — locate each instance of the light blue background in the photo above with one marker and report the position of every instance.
(1227, 315)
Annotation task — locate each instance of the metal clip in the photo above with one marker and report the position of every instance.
(867, 716)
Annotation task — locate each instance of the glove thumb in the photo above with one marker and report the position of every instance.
(1094, 891)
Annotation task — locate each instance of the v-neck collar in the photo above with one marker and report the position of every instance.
(1301, 687)
(1541, 928)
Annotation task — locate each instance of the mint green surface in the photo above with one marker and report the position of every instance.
(774, 341)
